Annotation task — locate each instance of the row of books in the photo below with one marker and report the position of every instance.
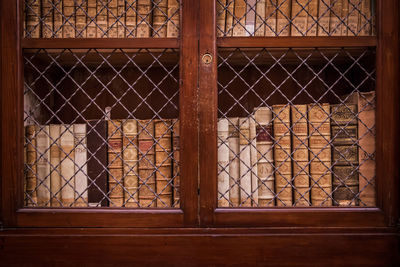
(96, 18)
(303, 155)
(116, 163)
(295, 17)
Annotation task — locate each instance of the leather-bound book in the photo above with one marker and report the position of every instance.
(176, 159)
(81, 10)
(312, 18)
(300, 160)
(324, 15)
(253, 157)
(221, 17)
(131, 164)
(81, 181)
(143, 19)
(115, 175)
(147, 179)
(365, 18)
(67, 158)
(112, 18)
(97, 163)
(91, 31)
(101, 19)
(229, 18)
(43, 165)
(283, 18)
(160, 18)
(320, 154)
(33, 24)
(335, 24)
(245, 162)
(122, 18)
(259, 29)
(234, 168)
(270, 17)
(250, 17)
(239, 20)
(47, 19)
(58, 18)
(223, 163)
(31, 194)
(55, 170)
(282, 155)
(299, 17)
(173, 16)
(68, 30)
(354, 17)
(131, 9)
(265, 161)
(344, 17)
(163, 138)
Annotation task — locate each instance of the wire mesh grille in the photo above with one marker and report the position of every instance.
(296, 127)
(295, 17)
(101, 18)
(101, 128)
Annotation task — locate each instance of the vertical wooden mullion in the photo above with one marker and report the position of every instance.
(189, 149)
(208, 109)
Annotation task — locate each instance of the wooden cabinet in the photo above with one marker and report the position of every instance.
(198, 78)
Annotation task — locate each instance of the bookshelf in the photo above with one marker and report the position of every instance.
(200, 76)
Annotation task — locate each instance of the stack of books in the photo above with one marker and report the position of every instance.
(299, 155)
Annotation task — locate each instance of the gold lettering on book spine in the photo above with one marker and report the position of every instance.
(115, 177)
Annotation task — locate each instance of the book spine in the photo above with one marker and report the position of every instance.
(115, 177)
(58, 19)
(176, 169)
(160, 19)
(81, 11)
(55, 171)
(147, 180)
(282, 154)
(335, 25)
(245, 162)
(112, 13)
(67, 165)
(43, 166)
(97, 163)
(283, 18)
(312, 18)
(47, 19)
(31, 158)
(324, 14)
(223, 163)
(253, 154)
(345, 18)
(221, 17)
(299, 18)
(33, 24)
(143, 19)
(239, 19)
(300, 160)
(131, 15)
(68, 30)
(354, 17)
(234, 168)
(173, 16)
(91, 31)
(365, 18)
(81, 195)
(122, 17)
(163, 136)
(259, 29)
(344, 154)
(130, 156)
(271, 17)
(101, 19)
(320, 154)
(250, 17)
(265, 159)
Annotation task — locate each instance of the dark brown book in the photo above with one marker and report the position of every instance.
(344, 154)
(97, 162)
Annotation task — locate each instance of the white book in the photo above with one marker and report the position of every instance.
(245, 162)
(43, 166)
(223, 161)
(253, 152)
(234, 173)
(81, 184)
(67, 165)
(55, 178)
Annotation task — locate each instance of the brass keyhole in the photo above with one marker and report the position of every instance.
(207, 58)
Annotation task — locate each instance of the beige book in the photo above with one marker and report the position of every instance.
(68, 28)
(312, 18)
(345, 13)
(300, 160)
(47, 19)
(130, 9)
(221, 17)
(163, 138)
(67, 165)
(335, 25)
(270, 17)
(173, 16)
(112, 18)
(81, 177)
(259, 29)
(31, 158)
(354, 17)
(43, 165)
(253, 153)
(250, 17)
(320, 154)
(57, 18)
(229, 18)
(130, 156)
(265, 161)
(143, 19)
(81, 9)
(283, 18)
(55, 167)
(147, 180)
(159, 19)
(122, 18)
(101, 19)
(115, 176)
(299, 17)
(32, 19)
(234, 168)
(91, 31)
(245, 162)
(239, 20)
(324, 15)
(223, 163)
(365, 18)
(282, 155)
(176, 169)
